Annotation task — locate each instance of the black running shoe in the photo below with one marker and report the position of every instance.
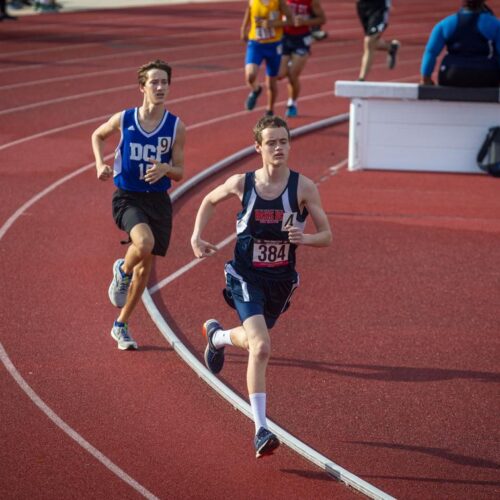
(392, 54)
(214, 358)
(265, 442)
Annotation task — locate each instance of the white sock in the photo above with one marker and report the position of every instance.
(291, 102)
(221, 338)
(258, 404)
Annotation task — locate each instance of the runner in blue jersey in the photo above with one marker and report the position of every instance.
(261, 277)
(472, 39)
(149, 156)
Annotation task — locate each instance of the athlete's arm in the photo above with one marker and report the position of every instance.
(435, 45)
(309, 197)
(232, 187)
(174, 169)
(245, 25)
(287, 20)
(318, 19)
(99, 136)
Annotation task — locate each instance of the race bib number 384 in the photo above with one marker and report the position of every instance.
(270, 253)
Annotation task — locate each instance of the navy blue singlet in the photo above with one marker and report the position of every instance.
(262, 245)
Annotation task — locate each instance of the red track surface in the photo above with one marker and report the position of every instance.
(387, 363)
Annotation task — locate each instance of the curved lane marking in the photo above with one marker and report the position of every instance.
(182, 99)
(323, 462)
(69, 430)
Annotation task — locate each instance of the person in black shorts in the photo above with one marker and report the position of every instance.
(374, 17)
(261, 277)
(149, 156)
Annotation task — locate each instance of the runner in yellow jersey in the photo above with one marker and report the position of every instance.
(262, 29)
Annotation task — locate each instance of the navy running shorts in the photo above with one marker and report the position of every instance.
(297, 44)
(260, 296)
(154, 209)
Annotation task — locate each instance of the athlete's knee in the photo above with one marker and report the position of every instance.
(370, 42)
(144, 245)
(260, 350)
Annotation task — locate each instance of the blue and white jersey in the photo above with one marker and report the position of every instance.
(262, 245)
(137, 146)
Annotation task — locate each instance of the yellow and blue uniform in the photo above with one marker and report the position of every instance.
(264, 43)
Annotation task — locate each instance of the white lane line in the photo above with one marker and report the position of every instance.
(200, 96)
(122, 55)
(187, 267)
(69, 430)
(126, 70)
(112, 41)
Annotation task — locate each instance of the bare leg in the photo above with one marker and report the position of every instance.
(272, 91)
(251, 73)
(254, 337)
(138, 260)
(370, 45)
(294, 71)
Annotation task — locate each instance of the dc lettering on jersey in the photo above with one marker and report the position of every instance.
(143, 152)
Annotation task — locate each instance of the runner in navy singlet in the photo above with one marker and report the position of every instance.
(261, 277)
(149, 156)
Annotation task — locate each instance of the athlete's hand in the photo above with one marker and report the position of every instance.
(295, 235)
(104, 172)
(426, 80)
(299, 21)
(155, 171)
(203, 248)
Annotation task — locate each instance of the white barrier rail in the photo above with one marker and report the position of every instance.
(405, 126)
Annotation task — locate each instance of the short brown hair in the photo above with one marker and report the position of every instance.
(157, 64)
(269, 122)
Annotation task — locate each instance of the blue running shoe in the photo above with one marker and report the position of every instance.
(291, 111)
(214, 358)
(122, 336)
(119, 286)
(252, 98)
(265, 442)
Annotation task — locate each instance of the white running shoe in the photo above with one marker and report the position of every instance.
(123, 337)
(119, 286)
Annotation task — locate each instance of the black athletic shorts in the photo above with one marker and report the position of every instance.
(462, 71)
(297, 44)
(374, 16)
(154, 209)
